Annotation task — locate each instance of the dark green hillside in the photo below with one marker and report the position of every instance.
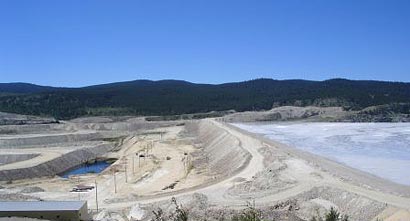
(168, 97)
(23, 88)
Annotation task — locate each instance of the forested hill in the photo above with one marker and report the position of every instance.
(19, 88)
(168, 97)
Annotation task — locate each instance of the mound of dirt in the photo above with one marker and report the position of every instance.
(322, 198)
(289, 113)
(17, 119)
(219, 153)
(32, 189)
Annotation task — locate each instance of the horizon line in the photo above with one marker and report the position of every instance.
(192, 82)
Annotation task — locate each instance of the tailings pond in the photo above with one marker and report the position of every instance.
(382, 149)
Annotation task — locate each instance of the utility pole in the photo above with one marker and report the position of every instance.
(145, 154)
(184, 163)
(126, 177)
(115, 183)
(133, 164)
(79, 194)
(96, 195)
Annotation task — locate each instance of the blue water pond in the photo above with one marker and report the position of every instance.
(96, 167)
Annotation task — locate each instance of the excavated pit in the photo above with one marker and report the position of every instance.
(56, 165)
(38, 150)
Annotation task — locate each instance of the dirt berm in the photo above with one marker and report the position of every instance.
(222, 152)
(37, 140)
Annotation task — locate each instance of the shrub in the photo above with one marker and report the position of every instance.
(250, 213)
(180, 213)
(332, 215)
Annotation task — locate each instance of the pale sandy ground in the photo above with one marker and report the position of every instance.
(143, 182)
(152, 173)
(332, 174)
(299, 170)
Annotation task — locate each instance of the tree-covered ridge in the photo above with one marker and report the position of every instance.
(169, 97)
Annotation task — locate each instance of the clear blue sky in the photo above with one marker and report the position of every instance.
(83, 42)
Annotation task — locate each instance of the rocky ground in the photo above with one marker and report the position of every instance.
(210, 169)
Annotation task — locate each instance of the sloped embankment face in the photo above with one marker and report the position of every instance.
(39, 140)
(11, 158)
(220, 153)
(56, 165)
